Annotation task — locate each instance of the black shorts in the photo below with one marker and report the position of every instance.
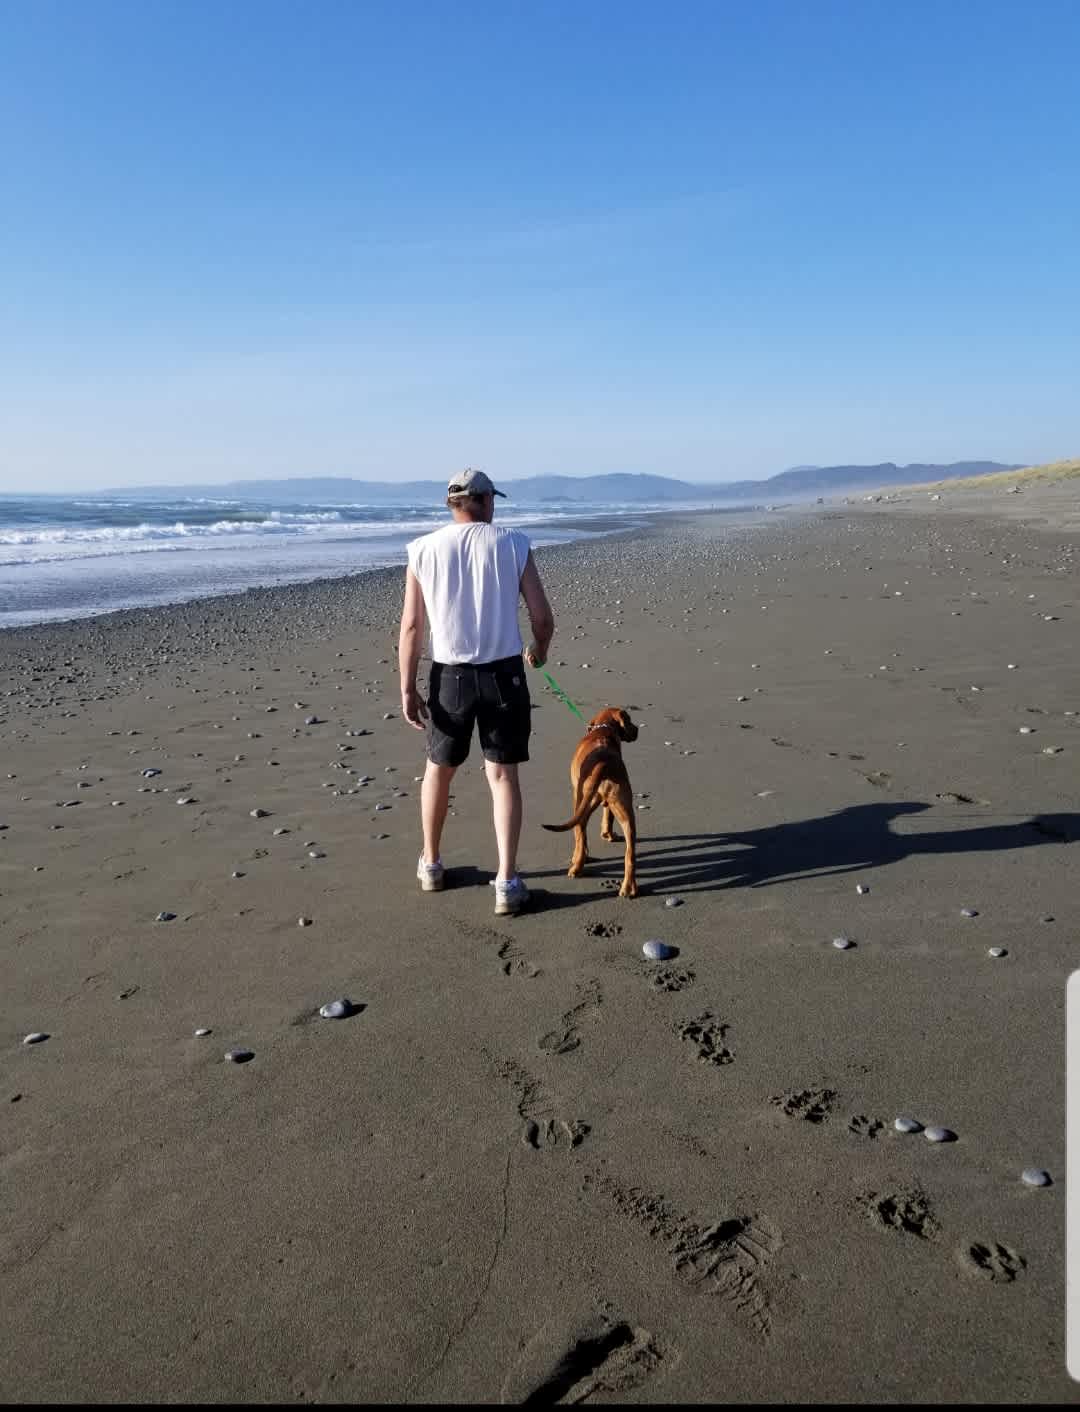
(494, 696)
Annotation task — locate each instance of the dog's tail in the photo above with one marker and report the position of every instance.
(585, 801)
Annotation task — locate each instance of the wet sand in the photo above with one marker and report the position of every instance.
(533, 1164)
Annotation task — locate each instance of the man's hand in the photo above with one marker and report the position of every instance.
(414, 708)
(534, 656)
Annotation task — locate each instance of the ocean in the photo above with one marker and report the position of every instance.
(63, 558)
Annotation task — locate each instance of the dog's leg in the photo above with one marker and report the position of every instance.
(623, 807)
(607, 833)
(581, 845)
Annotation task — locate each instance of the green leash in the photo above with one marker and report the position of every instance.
(562, 696)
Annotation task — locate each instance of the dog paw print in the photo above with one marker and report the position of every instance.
(603, 929)
(813, 1105)
(907, 1212)
(990, 1260)
(862, 1126)
(706, 1034)
(671, 979)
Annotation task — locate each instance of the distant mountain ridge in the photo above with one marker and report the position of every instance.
(615, 488)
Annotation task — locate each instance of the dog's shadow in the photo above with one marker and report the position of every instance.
(849, 840)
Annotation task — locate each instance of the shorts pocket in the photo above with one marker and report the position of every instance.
(448, 690)
(510, 690)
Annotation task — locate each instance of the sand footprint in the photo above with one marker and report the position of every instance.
(567, 1037)
(553, 1132)
(725, 1257)
(543, 1129)
(514, 964)
(569, 1360)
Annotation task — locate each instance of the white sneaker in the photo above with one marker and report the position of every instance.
(432, 876)
(510, 897)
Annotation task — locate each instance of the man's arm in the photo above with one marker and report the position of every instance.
(541, 618)
(410, 645)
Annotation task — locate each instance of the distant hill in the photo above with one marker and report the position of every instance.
(802, 482)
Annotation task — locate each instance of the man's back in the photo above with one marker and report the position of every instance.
(470, 575)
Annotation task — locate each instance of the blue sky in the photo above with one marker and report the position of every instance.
(700, 239)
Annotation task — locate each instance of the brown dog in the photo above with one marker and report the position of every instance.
(598, 777)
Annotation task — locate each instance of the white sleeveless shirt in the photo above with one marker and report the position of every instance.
(471, 579)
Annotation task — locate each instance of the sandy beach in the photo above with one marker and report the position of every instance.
(531, 1164)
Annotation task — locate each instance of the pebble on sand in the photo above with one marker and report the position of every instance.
(199, 1033)
(968, 912)
(673, 902)
(336, 1009)
(939, 1135)
(861, 889)
(843, 943)
(259, 813)
(659, 950)
(239, 1056)
(907, 1125)
(303, 921)
(1036, 1176)
(165, 917)
(997, 951)
(149, 774)
(35, 1037)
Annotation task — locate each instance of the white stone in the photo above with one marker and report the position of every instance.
(939, 1135)
(907, 1125)
(659, 950)
(1035, 1176)
(336, 1009)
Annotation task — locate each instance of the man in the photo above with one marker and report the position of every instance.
(465, 580)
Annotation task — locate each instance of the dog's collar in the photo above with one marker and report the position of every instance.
(604, 726)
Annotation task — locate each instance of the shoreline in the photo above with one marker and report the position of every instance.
(225, 570)
(375, 577)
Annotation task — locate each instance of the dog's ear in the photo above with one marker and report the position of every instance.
(627, 729)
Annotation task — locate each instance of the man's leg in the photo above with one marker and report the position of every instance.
(506, 807)
(434, 801)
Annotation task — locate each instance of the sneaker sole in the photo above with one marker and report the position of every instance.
(426, 886)
(505, 908)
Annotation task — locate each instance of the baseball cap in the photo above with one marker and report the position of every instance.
(471, 482)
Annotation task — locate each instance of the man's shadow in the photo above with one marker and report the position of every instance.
(848, 840)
